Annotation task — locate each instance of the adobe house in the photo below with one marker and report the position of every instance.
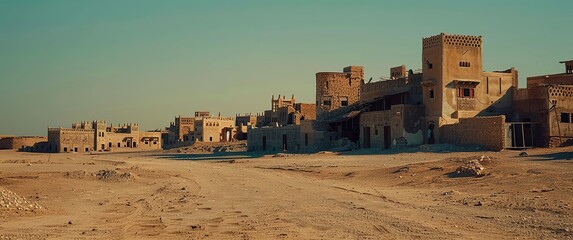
(546, 107)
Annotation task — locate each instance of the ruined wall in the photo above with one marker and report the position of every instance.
(275, 139)
(335, 89)
(484, 131)
(20, 142)
(404, 124)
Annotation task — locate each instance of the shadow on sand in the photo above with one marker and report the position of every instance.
(211, 156)
(436, 148)
(552, 156)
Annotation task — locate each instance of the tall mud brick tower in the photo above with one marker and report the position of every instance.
(338, 89)
(452, 67)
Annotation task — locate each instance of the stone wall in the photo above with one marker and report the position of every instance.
(273, 139)
(307, 110)
(484, 131)
(20, 142)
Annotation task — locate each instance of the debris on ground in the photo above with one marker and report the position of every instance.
(12, 201)
(402, 170)
(471, 168)
(523, 154)
(107, 175)
(282, 155)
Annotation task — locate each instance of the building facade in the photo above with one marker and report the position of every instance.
(338, 89)
(98, 136)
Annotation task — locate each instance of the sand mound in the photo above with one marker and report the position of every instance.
(10, 201)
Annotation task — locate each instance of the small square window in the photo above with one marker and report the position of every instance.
(565, 117)
(326, 102)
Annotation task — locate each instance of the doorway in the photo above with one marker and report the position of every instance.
(264, 143)
(431, 136)
(387, 137)
(366, 139)
(285, 147)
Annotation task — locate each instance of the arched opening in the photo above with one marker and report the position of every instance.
(431, 136)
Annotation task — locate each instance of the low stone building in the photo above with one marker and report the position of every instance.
(214, 129)
(276, 139)
(543, 115)
(98, 136)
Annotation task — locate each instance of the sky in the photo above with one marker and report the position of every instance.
(148, 61)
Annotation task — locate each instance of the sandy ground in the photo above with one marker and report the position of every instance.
(364, 195)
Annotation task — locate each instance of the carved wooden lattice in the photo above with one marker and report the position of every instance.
(466, 104)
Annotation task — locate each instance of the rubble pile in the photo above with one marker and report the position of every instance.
(109, 175)
(471, 168)
(12, 201)
(215, 147)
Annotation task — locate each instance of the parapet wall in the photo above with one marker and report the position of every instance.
(484, 131)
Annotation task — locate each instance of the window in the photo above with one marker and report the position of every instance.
(565, 117)
(466, 92)
(343, 101)
(431, 93)
(118, 145)
(326, 102)
(465, 64)
(375, 131)
(65, 149)
(87, 149)
(429, 65)
(326, 85)
(210, 139)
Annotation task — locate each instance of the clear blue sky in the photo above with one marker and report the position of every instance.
(147, 61)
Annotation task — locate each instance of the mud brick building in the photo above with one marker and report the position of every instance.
(98, 136)
(450, 100)
(543, 114)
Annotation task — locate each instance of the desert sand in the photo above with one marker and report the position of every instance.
(403, 194)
